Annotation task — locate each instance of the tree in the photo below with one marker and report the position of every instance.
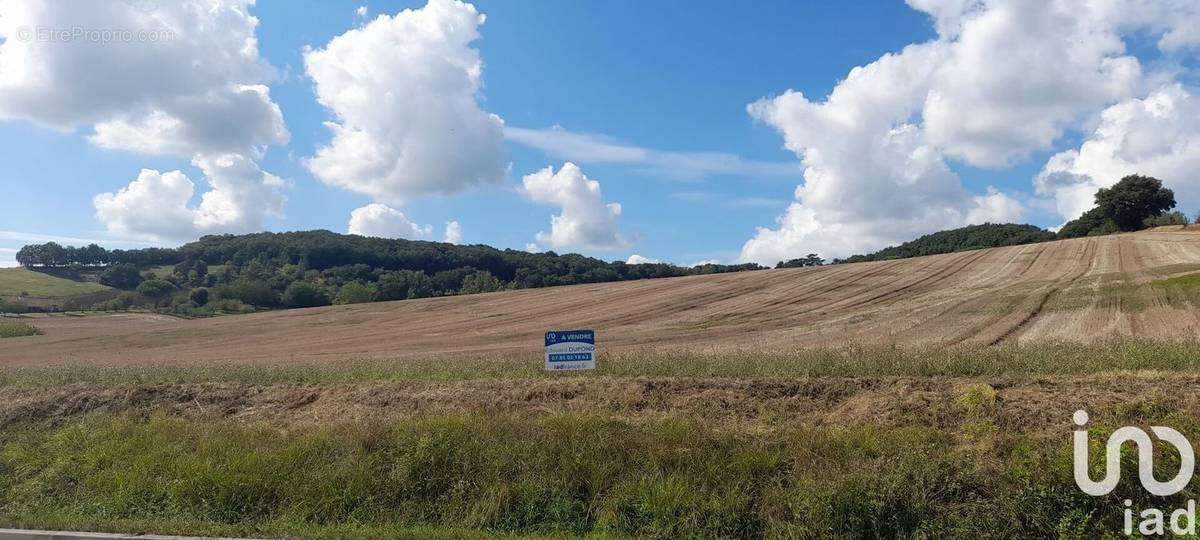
(481, 282)
(1133, 199)
(355, 293)
(1091, 223)
(812, 259)
(199, 296)
(301, 294)
(121, 276)
(255, 292)
(156, 289)
(403, 285)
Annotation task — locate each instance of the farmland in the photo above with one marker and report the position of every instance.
(1073, 290)
(917, 397)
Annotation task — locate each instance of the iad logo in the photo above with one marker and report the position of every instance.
(1145, 449)
(1152, 522)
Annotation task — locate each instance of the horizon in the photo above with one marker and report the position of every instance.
(711, 133)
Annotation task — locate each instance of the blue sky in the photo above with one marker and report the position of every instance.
(669, 80)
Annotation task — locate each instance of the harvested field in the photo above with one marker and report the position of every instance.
(1073, 290)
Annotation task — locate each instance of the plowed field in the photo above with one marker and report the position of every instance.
(1072, 290)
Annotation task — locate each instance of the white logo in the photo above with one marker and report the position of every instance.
(1145, 450)
(1149, 521)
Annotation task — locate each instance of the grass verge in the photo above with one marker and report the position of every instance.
(563, 474)
(847, 362)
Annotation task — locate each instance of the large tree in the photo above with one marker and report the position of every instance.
(1129, 202)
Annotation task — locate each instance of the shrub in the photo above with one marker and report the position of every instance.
(18, 329)
(481, 282)
(156, 288)
(199, 296)
(355, 293)
(1168, 218)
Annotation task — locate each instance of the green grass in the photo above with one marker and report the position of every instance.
(18, 329)
(600, 472)
(565, 474)
(848, 361)
(19, 281)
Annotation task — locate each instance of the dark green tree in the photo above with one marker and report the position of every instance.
(1133, 199)
(301, 294)
(404, 284)
(156, 289)
(199, 296)
(121, 276)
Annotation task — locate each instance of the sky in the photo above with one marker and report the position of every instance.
(681, 132)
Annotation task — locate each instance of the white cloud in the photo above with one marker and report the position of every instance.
(361, 11)
(203, 127)
(190, 84)
(638, 259)
(1003, 79)
(192, 90)
(1016, 74)
(532, 248)
(403, 90)
(453, 233)
(39, 238)
(1157, 136)
(586, 220)
(385, 222)
(156, 205)
(590, 148)
(704, 262)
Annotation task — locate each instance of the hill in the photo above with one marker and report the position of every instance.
(314, 268)
(961, 239)
(1076, 290)
(17, 282)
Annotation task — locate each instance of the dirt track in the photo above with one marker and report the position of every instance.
(1050, 291)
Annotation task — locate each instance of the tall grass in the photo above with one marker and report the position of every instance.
(845, 361)
(558, 475)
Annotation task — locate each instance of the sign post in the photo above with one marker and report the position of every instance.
(570, 350)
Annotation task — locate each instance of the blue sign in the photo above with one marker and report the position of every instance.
(568, 350)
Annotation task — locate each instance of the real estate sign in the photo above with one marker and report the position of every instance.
(568, 350)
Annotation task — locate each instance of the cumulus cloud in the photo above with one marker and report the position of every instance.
(403, 92)
(156, 204)
(532, 248)
(638, 259)
(385, 222)
(179, 88)
(1158, 135)
(1002, 80)
(590, 148)
(1016, 74)
(586, 220)
(189, 90)
(453, 233)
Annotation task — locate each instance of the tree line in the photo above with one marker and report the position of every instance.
(221, 273)
(1134, 203)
